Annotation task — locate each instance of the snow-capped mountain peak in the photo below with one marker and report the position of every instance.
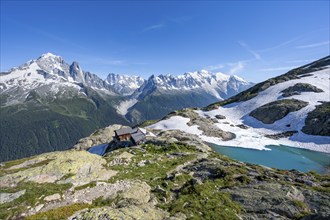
(76, 72)
(52, 70)
(124, 84)
(49, 55)
(197, 80)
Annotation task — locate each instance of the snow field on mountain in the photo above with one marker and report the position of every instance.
(123, 107)
(254, 137)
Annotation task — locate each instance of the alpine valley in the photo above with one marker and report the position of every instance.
(47, 104)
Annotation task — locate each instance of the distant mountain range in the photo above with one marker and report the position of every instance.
(47, 104)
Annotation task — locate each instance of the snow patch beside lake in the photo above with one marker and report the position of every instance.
(254, 136)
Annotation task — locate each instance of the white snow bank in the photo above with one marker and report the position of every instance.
(180, 123)
(238, 113)
(254, 136)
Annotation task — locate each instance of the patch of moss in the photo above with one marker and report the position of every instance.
(150, 172)
(33, 194)
(172, 148)
(41, 163)
(9, 164)
(304, 210)
(100, 202)
(90, 185)
(147, 123)
(319, 177)
(321, 189)
(203, 201)
(59, 213)
(67, 176)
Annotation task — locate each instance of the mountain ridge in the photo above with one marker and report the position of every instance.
(56, 65)
(77, 102)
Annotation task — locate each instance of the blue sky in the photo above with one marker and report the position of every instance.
(252, 39)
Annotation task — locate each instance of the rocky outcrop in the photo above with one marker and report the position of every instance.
(75, 167)
(277, 110)
(204, 124)
(101, 136)
(276, 201)
(169, 137)
(128, 213)
(8, 197)
(318, 121)
(298, 88)
(53, 197)
(281, 135)
(220, 117)
(126, 192)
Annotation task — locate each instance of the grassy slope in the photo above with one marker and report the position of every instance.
(176, 191)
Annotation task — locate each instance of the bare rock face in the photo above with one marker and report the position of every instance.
(127, 192)
(204, 124)
(277, 110)
(134, 202)
(167, 137)
(299, 88)
(76, 167)
(132, 212)
(276, 201)
(101, 136)
(8, 197)
(281, 135)
(318, 121)
(53, 197)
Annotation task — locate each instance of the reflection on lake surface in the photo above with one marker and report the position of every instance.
(281, 157)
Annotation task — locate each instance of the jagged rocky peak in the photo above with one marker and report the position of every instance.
(50, 56)
(76, 72)
(198, 79)
(124, 84)
(51, 63)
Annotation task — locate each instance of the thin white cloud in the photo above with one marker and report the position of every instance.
(236, 67)
(214, 67)
(313, 45)
(279, 45)
(254, 53)
(154, 27)
(277, 69)
(293, 40)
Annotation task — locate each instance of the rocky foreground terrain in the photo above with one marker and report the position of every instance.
(173, 176)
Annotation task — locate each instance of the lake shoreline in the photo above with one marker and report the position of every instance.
(279, 157)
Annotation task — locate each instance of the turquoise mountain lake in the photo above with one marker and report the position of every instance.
(280, 157)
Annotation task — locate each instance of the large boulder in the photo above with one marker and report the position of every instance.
(76, 167)
(8, 197)
(299, 88)
(318, 121)
(273, 111)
